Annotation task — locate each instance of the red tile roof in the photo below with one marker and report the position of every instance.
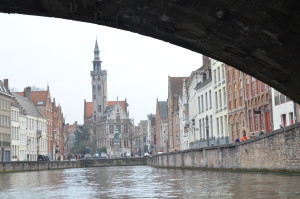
(36, 96)
(123, 104)
(88, 109)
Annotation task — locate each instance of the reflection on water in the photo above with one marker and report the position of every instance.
(146, 182)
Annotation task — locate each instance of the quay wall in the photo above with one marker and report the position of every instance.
(275, 151)
(51, 165)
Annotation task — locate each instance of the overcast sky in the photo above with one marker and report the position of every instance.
(35, 51)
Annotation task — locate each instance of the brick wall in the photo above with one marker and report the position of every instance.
(279, 150)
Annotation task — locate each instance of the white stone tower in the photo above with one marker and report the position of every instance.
(99, 86)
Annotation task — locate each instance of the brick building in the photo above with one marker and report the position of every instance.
(258, 105)
(54, 117)
(235, 102)
(161, 125)
(174, 92)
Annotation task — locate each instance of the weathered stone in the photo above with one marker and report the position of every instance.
(253, 36)
(274, 151)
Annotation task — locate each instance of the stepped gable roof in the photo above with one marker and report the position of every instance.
(163, 108)
(28, 106)
(37, 96)
(88, 111)
(176, 85)
(123, 104)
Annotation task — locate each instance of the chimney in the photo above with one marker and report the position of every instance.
(75, 123)
(27, 92)
(5, 81)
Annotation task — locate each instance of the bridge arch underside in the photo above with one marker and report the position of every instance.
(258, 37)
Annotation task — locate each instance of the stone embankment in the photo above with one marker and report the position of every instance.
(276, 151)
(36, 166)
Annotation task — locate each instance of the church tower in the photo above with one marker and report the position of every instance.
(99, 86)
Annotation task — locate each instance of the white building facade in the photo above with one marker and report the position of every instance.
(194, 79)
(35, 130)
(204, 122)
(23, 137)
(15, 133)
(184, 117)
(283, 110)
(220, 115)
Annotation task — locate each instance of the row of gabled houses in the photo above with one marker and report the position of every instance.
(214, 106)
(31, 124)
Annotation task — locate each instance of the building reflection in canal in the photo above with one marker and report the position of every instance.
(146, 182)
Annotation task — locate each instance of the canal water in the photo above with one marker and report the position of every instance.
(146, 182)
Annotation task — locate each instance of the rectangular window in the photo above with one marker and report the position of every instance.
(248, 87)
(125, 128)
(206, 102)
(253, 86)
(211, 124)
(199, 108)
(111, 128)
(282, 98)
(250, 121)
(216, 96)
(219, 75)
(276, 97)
(99, 108)
(226, 127)
(125, 142)
(119, 127)
(202, 104)
(291, 118)
(223, 72)
(218, 132)
(261, 121)
(210, 102)
(200, 129)
(94, 97)
(224, 96)
(221, 125)
(204, 129)
(220, 98)
(233, 74)
(215, 77)
(283, 120)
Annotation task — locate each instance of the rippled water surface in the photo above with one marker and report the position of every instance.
(146, 182)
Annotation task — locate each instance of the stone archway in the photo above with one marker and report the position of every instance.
(259, 37)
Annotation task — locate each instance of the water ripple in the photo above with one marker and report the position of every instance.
(146, 182)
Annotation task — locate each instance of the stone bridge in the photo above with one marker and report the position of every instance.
(259, 37)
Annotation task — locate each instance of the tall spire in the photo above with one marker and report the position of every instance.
(96, 52)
